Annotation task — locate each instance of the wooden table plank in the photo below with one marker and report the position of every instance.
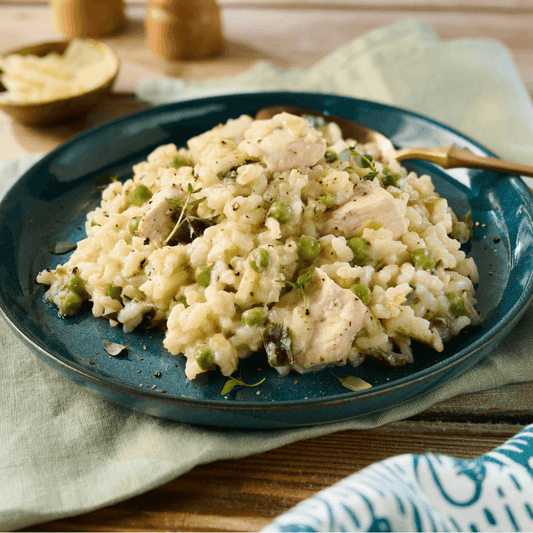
(246, 494)
(285, 37)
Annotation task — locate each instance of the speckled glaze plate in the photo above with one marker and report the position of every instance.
(50, 202)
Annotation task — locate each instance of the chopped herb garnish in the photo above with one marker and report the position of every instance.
(232, 382)
(59, 248)
(390, 179)
(113, 291)
(77, 285)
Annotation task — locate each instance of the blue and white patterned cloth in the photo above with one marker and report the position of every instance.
(493, 492)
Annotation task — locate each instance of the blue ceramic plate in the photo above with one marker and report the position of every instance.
(50, 202)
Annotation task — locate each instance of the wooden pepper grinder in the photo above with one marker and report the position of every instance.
(88, 18)
(184, 29)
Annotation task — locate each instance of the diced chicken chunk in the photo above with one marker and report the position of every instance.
(160, 219)
(325, 332)
(233, 130)
(284, 142)
(369, 202)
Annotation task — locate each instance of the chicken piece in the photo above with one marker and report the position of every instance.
(324, 332)
(231, 131)
(160, 219)
(369, 202)
(284, 142)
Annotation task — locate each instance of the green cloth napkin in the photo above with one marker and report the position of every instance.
(65, 451)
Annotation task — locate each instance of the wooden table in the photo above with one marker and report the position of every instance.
(246, 494)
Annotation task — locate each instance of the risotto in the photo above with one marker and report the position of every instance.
(275, 235)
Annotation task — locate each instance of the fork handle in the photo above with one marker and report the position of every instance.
(453, 157)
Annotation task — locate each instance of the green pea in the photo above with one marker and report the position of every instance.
(140, 195)
(362, 292)
(133, 225)
(424, 258)
(457, 304)
(359, 247)
(178, 162)
(76, 285)
(328, 199)
(281, 212)
(204, 358)
(93, 223)
(330, 156)
(308, 247)
(113, 291)
(202, 276)
(253, 317)
(259, 259)
(72, 303)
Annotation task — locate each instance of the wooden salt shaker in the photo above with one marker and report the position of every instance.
(88, 18)
(184, 29)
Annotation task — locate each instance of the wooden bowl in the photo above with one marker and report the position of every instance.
(55, 111)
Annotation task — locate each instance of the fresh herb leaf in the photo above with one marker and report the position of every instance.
(183, 215)
(113, 348)
(365, 161)
(196, 202)
(232, 382)
(300, 284)
(353, 383)
(61, 247)
(305, 278)
(173, 201)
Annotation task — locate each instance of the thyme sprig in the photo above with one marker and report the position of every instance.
(184, 206)
(302, 280)
(233, 381)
